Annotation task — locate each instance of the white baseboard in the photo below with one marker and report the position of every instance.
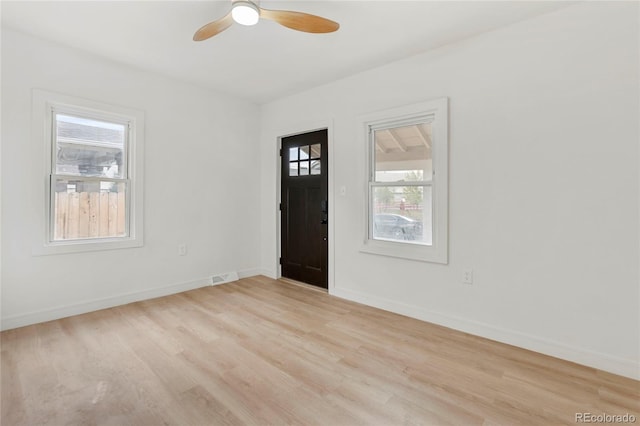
(623, 367)
(29, 318)
(273, 274)
(252, 272)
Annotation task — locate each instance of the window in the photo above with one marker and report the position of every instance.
(407, 182)
(94, 178)
(305, 160)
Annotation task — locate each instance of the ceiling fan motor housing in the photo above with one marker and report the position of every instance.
(256, 3)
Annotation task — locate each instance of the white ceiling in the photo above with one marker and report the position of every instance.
(267, 61)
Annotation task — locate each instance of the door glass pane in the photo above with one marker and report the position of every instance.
(315, 167)
(88, 209)
(316, 151)
(304, 152)
(293, 168)
(403, 153)
(304, 168)
(293, 153)
(87, 147)
(402, 213)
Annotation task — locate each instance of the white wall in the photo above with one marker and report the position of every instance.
(201, 165)
(543, 184)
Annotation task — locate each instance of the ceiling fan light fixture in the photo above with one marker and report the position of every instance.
(245, 13)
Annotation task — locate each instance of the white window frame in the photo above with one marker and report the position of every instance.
(436, 113)
(45, 106)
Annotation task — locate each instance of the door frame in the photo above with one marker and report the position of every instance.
(292, 131)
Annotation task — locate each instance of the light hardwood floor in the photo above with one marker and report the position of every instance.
(260, 351)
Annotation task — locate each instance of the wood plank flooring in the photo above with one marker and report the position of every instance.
(260, 351)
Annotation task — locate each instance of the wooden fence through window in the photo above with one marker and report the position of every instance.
(89, 215)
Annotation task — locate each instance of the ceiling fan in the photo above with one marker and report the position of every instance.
(247, 12)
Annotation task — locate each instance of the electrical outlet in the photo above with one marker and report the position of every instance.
(182, 249)
(467, 276)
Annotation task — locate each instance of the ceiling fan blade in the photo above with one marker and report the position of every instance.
(213, 28)
(300, 21)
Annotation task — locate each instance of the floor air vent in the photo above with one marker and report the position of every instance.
(224, 278)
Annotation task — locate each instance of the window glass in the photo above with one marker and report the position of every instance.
(304, 152)
(402, 212)
(89, 186)
(316, 151)
(89, 209)
(87, 147)
(403, 153)
(293, 153)
(305, 160)
(304, 168)
(316, 167)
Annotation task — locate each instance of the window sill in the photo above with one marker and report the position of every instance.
(84, 246)
(408, 251)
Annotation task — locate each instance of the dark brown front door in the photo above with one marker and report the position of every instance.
(304, 215)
